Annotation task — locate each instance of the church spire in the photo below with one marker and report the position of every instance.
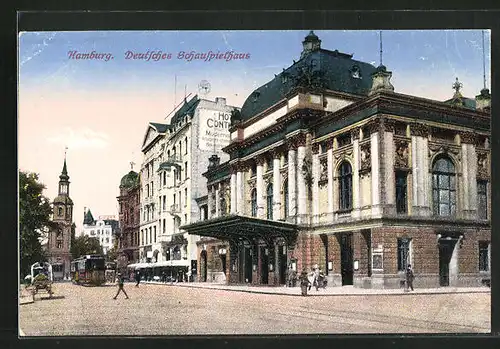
(64, 178)
(64, 173)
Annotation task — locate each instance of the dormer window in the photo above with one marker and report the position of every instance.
(284, 78)
(355, 72)
(255, 96)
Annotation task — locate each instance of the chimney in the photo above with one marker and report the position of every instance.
(220, 100)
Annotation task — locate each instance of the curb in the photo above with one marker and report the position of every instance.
(327, 295)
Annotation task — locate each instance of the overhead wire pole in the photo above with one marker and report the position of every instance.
(484, 64)
(380, 39)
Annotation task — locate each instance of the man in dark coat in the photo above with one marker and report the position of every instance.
(137, 277)
(409, 277)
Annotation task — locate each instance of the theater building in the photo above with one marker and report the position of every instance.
(330, 166)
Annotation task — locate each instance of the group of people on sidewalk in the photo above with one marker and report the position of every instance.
(319, 279)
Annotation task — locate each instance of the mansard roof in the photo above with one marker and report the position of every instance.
(324, 69)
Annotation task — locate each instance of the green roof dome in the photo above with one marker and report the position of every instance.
(130, 179)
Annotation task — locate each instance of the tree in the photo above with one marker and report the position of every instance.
(83, 245)
(34, 220)
(112, 255)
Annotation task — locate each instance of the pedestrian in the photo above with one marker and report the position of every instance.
(304, 282)
(137, 277)
(316, 276)
(409, 277)
(163, 276)
(120, 286)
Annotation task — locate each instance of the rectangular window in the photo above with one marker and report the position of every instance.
(344, 140)
(185, 196)
(164, 202)
(484, 256)
(401, 192)
(154, 230)
(186, 170)
(403, 253)
(59, 244)
(174, 200)
(482, 199)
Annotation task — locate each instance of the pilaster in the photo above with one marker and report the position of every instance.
(276, 187)
(260, 188)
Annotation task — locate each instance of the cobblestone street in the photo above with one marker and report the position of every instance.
(173, 310)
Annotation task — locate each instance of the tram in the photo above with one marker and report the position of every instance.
(88, 270)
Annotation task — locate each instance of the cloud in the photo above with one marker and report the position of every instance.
(78, 139)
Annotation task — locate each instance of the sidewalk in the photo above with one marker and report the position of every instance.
(329, 291)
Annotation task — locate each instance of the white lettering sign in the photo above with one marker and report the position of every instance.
(214, 129)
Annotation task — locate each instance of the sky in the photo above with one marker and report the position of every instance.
(100, 108)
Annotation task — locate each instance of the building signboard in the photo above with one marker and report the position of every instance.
(214, 128)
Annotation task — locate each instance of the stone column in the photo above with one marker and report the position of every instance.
(420, 170)
(292, 183)
(329, 155)
(301, 183)
(426, 179)
(217, 200)
(233, 191)
(240, 191)
(375, 168)
(276, 185)
(210, 202)
(315, 188)
(468, 181)
(356, 196)
(260, 187)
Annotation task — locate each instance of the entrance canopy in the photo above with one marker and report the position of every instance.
(240, 228)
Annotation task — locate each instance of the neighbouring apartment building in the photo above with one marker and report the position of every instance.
(104, 229)
(175, 156)
(329, 166)
(129, 220)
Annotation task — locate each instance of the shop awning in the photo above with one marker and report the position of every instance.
(172, 263)
(238, 228)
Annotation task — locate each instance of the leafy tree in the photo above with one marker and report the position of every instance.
(112, 255)
(34, 220)
(83, 245)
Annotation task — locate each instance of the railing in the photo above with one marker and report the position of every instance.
(175, 208)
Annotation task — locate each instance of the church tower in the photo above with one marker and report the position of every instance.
(59, 242)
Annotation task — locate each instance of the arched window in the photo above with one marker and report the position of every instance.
(270, 201)
(285, 199)
(345, 186)
(254, 202)
(444, 187)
